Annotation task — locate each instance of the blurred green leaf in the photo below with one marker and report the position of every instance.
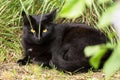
(89, 2)
(104, 1)
(105, 20)
(113, 63)
(106, 17)
(72, 8)
(96, 53)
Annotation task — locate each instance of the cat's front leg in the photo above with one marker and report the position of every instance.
(24, 61)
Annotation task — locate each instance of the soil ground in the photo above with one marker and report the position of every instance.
(12, 71)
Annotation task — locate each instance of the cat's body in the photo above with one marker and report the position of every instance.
(61, 45)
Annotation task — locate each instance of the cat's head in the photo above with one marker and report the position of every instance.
(36, 29)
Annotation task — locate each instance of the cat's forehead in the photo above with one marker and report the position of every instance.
(39, 18)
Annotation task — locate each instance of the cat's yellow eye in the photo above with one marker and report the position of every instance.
(32, 30)
(44, 30)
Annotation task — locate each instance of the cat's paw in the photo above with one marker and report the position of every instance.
(51, 64)
(22, 62)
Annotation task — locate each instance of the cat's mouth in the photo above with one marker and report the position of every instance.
(38, 41)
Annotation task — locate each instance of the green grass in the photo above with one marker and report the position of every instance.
(10, 40)
(10, 24)
(10, 47)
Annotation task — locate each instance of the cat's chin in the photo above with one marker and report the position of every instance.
(38, 42)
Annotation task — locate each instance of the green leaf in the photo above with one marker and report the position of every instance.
(93, 50)
(113, 63)
(95, 60)
(89, 2)
(106, 17)
(97, 52)
(72, 8)
(104, 1)
(105, 20)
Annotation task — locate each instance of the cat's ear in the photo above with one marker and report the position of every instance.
(28, 19)
(50, 16)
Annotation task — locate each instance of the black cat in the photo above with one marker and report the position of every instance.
(61, 45)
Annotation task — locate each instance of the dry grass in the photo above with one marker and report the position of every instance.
(12, 71)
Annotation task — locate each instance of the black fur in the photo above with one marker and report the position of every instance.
(62, 45)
